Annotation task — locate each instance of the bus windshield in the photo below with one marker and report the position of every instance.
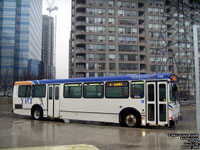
(173, 92)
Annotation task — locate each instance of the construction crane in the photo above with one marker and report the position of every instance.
(50, 7)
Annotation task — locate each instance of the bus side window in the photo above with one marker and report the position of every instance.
(72, 90)
(50, 93)
(24, 91)
(162, 92)
(137, 89)
(57, 93)
(93, 90)
(117, 89)
(173, 92)
(38, 91)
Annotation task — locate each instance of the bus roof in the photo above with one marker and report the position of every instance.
(157, 76)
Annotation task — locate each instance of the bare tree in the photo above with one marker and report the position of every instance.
(6, 82)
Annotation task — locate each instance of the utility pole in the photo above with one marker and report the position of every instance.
(196, 62)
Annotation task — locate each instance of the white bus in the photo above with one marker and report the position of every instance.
(132, 100)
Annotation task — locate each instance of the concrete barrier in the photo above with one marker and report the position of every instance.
(5, 100)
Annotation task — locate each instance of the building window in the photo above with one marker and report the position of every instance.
(112, 74)
(128, 57)
(95, 29)
(111, 47)
(128, 66)
(111, 56)
(80, 75)
(111, 20)
(111, 11)
(127, 30)
(155, 11)
(111, 29)
(96, 11)
(128, 48)
(127, 39)
(112, 66)
(95, 38)
(127, 13)
(95, 20)
(131, 21)
(111, 3)
(96, 47)
(111, 38)
(128, 4)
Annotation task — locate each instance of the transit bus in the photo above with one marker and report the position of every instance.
(132, 100)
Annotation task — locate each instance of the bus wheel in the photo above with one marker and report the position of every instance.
(130, 119)
(36, 113)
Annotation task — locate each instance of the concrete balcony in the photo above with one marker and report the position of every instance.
(80, 50)
(80, 14)
(79, 23)
(80, 5)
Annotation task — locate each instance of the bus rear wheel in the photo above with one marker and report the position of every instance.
(37, 113)
(131, 119)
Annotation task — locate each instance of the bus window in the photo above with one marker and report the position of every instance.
(117, 90)
(38, 91)
(93, 90)
(137, 89)
(50, 93)
(151, 92)
(173, 92)
(162, 92)
(56, 93)
(73, 90)
(24, 91)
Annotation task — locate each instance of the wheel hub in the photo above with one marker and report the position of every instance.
(37, 114)
(130, 120)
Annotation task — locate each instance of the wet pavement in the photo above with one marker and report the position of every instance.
(22, 132)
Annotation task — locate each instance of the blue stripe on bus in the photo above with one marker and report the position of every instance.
(101, 79)
(170, 106)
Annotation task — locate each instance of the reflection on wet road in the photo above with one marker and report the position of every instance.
(18, 132)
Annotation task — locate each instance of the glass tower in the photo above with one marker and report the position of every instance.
(20, 38)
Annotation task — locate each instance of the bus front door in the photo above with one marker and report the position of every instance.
(157, 98)
(53, 101)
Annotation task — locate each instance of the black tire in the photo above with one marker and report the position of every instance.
(37, 113)
(130, 119)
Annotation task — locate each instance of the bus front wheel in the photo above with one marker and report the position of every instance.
(130, 119)
(36, 113)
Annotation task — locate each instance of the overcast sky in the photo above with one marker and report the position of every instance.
(63, 34)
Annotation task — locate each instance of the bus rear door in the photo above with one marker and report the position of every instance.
(156, 102)
(53, 101)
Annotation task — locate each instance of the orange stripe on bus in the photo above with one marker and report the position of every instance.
(24, 83)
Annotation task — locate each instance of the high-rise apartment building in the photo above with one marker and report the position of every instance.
(48, 67)
(20, 38)
(119, 37)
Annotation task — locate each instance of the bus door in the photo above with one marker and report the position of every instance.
(53, 101)
(157, 112)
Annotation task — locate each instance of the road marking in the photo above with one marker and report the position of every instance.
(62, 147)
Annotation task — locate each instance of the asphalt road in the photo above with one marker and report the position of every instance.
(23, 132)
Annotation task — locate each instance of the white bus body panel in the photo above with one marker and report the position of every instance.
(90, 109)
(97, 110)
(27, 103)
